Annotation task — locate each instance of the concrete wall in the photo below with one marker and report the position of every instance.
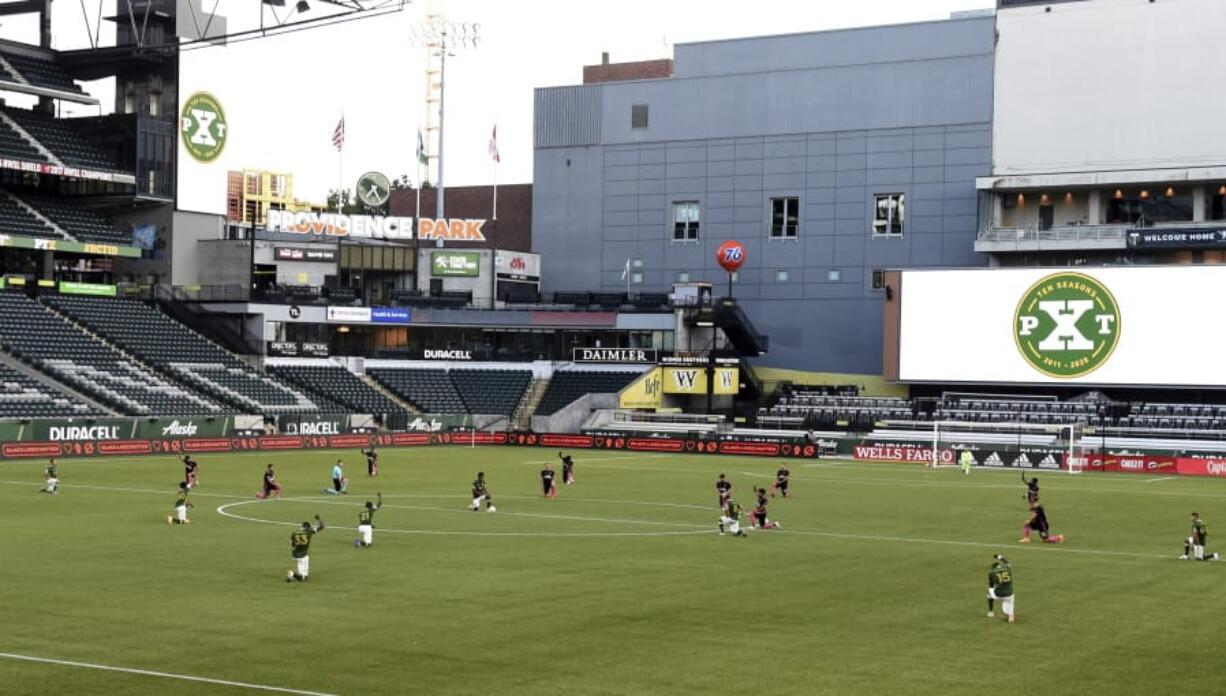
(187, 261)
(831, 118)
(1109, 85)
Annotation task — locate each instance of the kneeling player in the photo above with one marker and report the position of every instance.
(51, 479)
(760, 521)
(731, 519)
(781, 481)
(481, 494)
(270, 484)
(1038, 522)
(181, 506)
(366, 523)
(548, 487)
(1000, 586)
(300, 542)
(340, 484)
(1195, 544)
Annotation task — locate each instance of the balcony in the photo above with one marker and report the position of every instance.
(997, 240)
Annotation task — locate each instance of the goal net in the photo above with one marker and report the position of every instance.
(1009, 445)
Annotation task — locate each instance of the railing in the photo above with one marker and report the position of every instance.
(1070, 233)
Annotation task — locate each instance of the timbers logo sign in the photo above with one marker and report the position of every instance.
(203, 127)
(1067, 325)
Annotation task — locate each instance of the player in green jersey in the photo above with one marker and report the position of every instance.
(481, 494)
(366, 523)
(966, 459)
(181, 506)
(1195, 543)
(1000, 586)
(51, 478)
(300, 542)
(731, 519)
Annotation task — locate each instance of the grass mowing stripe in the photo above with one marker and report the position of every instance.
(164, 675)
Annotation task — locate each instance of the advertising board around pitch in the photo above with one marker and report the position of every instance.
(1094, 326)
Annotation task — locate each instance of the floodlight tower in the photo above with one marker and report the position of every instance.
(440, 37)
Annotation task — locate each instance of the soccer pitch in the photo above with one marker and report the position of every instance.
(875, 585)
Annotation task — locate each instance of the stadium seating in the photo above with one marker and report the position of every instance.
(42, 339)
(82, 223)
(41, 72)
(61, 139)
(567, 386)
(22, 397)
(160, 341)
(340, 385)
(15, 146)
(429, 390)
(15, 219)
(491, 392)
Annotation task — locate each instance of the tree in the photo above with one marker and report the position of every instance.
(348, 204)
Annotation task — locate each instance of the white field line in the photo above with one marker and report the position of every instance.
(1164, 478)
(164, 675)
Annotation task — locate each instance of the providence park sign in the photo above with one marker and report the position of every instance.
(1067, 325)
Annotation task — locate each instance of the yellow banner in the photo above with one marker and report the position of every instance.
(727, 381)
(693, 380)
(644, 392)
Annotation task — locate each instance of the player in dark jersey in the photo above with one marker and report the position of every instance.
(1032, 490)
(781, 481)
(724, 488)
(300, 542)
(270, 484)
(1000, 586)
(759, 518)
(190, 467)
(51, 478)
(548, 487)
(568, 468)
(1195, 543)
(366, 523)
(181, 506)
(1038, 522)
(481, 494)
(372, 461)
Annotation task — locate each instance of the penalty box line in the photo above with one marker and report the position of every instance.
(163, 675)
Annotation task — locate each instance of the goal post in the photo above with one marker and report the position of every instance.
(1009, 445)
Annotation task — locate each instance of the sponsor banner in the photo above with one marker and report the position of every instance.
(1191, 466)
(409, 439)
(332, 225)
(655, 445)
(453, 229)
(349, 315)
(16, 242)
(304, 254)
(18, 450)
(291, 349)
(517, 265)
(195, 426)
(217, 444)
(727, 381)
(578, 441)
(313, 350)
(313, 426)
(645, 392)
(690, 359)
(1129, 463)
(279, 442)
(614, 355)
(70, 172)
(389, 315)
(901, 453)
(347, 441)
(1178, 238)
(440, 354)
(455, 264)
(440, 423)
(95, 289)
(79, 430)
(125, 447)
(1014, 459)
(693, 380)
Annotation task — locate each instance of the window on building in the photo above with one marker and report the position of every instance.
(276, 185)
(782, 276)
(1149, 205)
(638, 116)
(683, 277)
(154, 103)
(889, 213)
(685, 221)
(878, 279)
(253, 184)
(1217, 203)
(636, 277)
(834, 275)
(785, 217)
(129, 103)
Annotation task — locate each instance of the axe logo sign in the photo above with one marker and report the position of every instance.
(1067, 325)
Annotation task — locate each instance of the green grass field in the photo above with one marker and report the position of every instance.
(620, 586)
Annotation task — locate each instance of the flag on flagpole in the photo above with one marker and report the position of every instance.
(338, 134)
(494, 145)
(626, 270)
(422, 159)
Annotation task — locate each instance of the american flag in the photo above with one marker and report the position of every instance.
(338, 134)
(494, 145)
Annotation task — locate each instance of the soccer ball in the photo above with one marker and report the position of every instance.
(491, 509)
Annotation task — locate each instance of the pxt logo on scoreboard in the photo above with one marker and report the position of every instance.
(1067, 325)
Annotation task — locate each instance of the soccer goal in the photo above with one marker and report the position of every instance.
(1009, 445)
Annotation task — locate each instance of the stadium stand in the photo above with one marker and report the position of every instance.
(428, 390)
(61, 139)
(22, 397)
(567, 386)
(339, 384)
(159, 340)
(15, 146)
(35, 335)
(14, 219)
(39, 72)
(81, 223)
(491, 392)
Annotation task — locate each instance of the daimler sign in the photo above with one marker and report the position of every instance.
(615, 355)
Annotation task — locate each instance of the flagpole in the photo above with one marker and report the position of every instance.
(495, 190)
(340, 166)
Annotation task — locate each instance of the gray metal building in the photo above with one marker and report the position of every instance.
(830, 155)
